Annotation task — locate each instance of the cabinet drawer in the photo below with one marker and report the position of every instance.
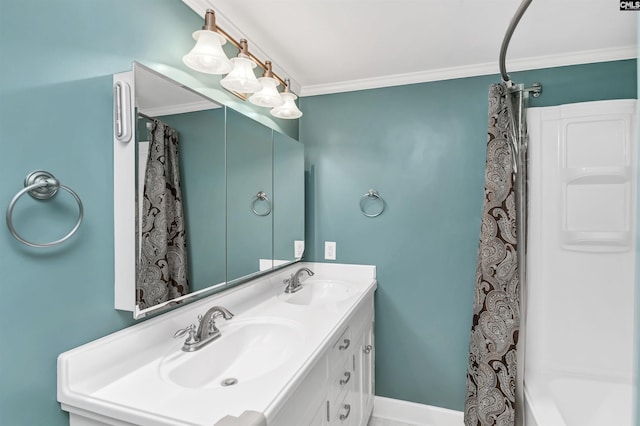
(342, 347)
(343, 412)
(342, 378)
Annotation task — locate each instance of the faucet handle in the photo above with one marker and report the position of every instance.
(191, 330)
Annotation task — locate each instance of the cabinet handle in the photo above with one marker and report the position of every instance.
(347, 376)
(368, 349)
(346, 344)
(344, 416)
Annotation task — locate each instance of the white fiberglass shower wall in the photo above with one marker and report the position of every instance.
(581, 264)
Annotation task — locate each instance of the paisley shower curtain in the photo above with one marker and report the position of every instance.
(491, 374)
(163, 272)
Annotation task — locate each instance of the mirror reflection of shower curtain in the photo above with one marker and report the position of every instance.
(492, 368)
(163, 271)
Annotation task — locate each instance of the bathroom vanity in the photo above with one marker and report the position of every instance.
(305, 358)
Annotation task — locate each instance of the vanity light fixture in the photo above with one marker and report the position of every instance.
(241, 79)
(268, 96)
(288, 110)
(208, 57)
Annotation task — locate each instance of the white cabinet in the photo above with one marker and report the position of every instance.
(339, 389)
(365, 364)
(353, 381)
(364, 368)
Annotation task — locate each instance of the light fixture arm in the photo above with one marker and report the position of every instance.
(210, 24)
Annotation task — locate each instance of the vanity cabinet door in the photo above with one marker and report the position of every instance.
(363, 365)
(320, 418)
(358, 413)
(367, 371)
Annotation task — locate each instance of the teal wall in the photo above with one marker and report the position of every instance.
(422, 147)
(56, 114)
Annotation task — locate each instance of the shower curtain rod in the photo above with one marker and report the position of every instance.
(536, 88)
(507, 38)
(146, 116)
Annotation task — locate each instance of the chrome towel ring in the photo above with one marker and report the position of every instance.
(261, 196)
(42, 185)
(371, 195)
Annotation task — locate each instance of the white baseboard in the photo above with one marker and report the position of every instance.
(413, 413)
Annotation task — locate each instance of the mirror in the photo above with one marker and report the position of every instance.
(202, 170)
(288, 197)
(249, 224)
(242, 187)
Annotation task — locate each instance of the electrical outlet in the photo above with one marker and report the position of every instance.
(330, 250)
(298, 249)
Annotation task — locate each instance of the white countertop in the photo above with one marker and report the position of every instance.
(119, 377)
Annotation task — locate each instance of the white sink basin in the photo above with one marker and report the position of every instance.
(319, 292)
(247, 350)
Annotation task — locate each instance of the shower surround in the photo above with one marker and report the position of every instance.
(581, 255)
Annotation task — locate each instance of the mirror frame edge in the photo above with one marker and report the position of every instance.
(124, 203)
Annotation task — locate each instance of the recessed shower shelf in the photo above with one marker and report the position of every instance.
(597, 175)
(594, 209)
(594, 241)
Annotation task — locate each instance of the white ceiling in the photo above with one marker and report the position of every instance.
(328, 46)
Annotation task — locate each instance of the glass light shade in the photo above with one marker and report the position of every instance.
(268, 96)
(288, 110)
(207, 55)
(241, 78)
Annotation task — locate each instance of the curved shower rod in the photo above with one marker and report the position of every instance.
(507, 38)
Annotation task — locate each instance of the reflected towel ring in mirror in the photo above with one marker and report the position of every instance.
(42, 185)
(371, 196)
(261, 196)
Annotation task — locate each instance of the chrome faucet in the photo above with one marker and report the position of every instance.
(206, 332)
(293, 282)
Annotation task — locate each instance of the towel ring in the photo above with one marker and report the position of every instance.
(42, 185)
(372, 194)
(261, 196)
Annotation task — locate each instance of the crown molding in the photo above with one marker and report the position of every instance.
(489, 68)
(550, 61)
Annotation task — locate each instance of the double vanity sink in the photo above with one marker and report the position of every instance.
(246, 351)
(264, 355)
(319, 292)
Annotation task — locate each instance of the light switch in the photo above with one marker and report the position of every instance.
(330, 250)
